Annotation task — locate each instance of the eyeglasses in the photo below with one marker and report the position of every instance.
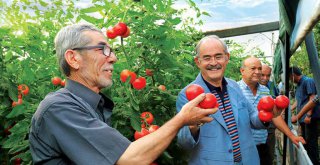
(218, 58)
(106, 50)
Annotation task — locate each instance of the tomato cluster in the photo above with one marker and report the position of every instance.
(146, 125)
(23, 90)
(120, 29)
(266, 104)
(137, 83)
(58, 81)
(194, 90)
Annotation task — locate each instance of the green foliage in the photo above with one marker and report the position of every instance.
(160, 40)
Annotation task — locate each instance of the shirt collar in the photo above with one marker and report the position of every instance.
(246, 86)
(302, 78)
(88, 95)
(214, 88)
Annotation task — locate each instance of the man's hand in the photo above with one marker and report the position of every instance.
(277, 112)
(307, 120)
(193, 115)
(296, 139)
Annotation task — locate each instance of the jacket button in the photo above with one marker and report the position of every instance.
(230, 150)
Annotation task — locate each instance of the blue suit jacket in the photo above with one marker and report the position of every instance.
(213, 145)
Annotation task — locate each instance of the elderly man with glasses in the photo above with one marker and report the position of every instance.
(72, 125)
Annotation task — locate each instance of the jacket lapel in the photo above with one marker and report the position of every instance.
(218, 115)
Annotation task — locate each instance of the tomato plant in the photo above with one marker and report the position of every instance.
(162, 87)
(153, 128)
(139, 83)
(147, 117)
(140, 134)
(56, 81)
(127, 73)
(282, 101)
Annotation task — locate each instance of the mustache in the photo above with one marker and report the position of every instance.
(209, 67)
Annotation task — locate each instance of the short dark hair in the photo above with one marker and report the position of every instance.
(295, 70)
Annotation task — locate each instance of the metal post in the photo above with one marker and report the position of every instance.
(313, 59)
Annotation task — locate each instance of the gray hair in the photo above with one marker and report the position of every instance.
(71, 37)
(209, 38)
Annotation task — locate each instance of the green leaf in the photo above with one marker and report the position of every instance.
(135, 121)
(175, 21)
(92, 9)
(16, 111)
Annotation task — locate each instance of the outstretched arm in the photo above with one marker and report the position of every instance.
(146, 149)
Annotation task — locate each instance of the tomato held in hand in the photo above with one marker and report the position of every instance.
(153, 128)
(120, 29)
(56, 81)
(142, 133)
(282, 101)
(193, 91)
(127, 73)
(147, 117)
(265, 116)
(266, 103)
(24, 89)
(139, 83)
(210, 101)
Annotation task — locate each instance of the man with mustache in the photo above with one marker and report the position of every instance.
(72, 125)
(227, 140)
(253, 92)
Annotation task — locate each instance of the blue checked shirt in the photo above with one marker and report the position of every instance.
(259, 135)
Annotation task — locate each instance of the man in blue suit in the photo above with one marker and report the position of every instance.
(227, 140)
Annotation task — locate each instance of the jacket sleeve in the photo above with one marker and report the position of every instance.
(185, 138)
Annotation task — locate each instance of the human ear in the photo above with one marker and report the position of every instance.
(73, 58)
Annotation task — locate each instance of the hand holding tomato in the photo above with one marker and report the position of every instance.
(190, 114)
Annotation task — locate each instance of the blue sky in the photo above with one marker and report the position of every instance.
(227, 14)
(234, 13)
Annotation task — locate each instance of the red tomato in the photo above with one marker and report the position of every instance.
(282, 101)
(162, 87)
(153, 128)
(17, 161)
(193, 91)
(111, 33)
(125, 74)
(20, 96)
(63, 83)
(139, 83)
(266, 103)
(7, 130)
(24, 89)
(147, 117)
(209, 102)
(56, 81)
(127, 33)
(120, 28)
(15, 103)
(149, 72)
(142, 133)
(265, 116)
